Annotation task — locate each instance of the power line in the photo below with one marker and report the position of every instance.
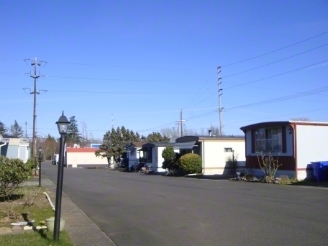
(273, 51)
(283, 59)
(276, 75)
(295, 113)
(161, 68)
(284, 98)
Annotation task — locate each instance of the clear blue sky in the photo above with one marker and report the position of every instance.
(143, 61)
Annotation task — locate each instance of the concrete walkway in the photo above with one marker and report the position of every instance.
(82, 230)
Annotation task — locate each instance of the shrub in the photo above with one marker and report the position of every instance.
(233, 163)
(13, 172)
(31, 163)
(284, 179)
(190, 163)
(269, 165)
(170, 159)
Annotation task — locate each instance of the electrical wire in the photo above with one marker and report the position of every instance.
(273, 51)
(276, 75)
(284, 98)
(270, 63)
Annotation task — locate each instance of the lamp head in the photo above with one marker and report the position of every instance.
(62, 124)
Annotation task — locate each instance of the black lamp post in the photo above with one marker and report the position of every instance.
(40, 160)
(62, 125)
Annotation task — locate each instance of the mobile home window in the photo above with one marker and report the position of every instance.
(268, 140)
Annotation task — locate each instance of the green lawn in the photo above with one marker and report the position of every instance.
(35, 238)
(29, 203)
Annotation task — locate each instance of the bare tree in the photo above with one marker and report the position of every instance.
(170, 132)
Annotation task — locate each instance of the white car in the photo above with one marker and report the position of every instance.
(55, 159)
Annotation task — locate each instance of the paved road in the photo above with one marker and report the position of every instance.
(137, 209)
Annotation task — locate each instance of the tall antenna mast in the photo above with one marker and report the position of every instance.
(220, 94)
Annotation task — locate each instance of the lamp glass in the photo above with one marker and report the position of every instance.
(62, 124)
(62, 127)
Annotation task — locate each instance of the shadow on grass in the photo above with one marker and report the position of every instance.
(12, 197)
(42, 232)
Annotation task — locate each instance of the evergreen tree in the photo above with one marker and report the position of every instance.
(3, 128)
(16, 130)
(156, 137)
(73, 133)
(115, 141)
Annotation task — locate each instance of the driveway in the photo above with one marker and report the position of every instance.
(138, 209)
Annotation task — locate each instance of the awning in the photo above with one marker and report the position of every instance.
(185, 145)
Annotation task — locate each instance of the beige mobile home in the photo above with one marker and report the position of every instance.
(215, 151)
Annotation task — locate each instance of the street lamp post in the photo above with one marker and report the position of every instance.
(62, 125)
(40, 160)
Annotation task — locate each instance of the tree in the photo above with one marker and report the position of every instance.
(16, 130)
(3, 128)
(156, 137)
(73, 134)
(50, 147)
(170, 132)
(170, 159)
(115, 141)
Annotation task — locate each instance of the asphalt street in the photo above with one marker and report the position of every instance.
(139, 209)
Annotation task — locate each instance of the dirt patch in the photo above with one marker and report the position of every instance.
(28, 203)
(5, 230)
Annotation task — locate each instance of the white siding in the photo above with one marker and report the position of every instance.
(159, 159)
(312, 144)
(134, 157)
(215, 158)
(85, 158)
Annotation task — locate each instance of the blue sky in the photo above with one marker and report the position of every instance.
(140, 62)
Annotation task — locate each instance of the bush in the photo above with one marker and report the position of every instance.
(284, 179)
(170, 159)
(190, 163)
(31, 163)
(269, 166)
(13, 172)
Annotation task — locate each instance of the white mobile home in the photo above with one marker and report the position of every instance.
(295, 143)
(15, 148)
(215, 151)
(152, 155)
